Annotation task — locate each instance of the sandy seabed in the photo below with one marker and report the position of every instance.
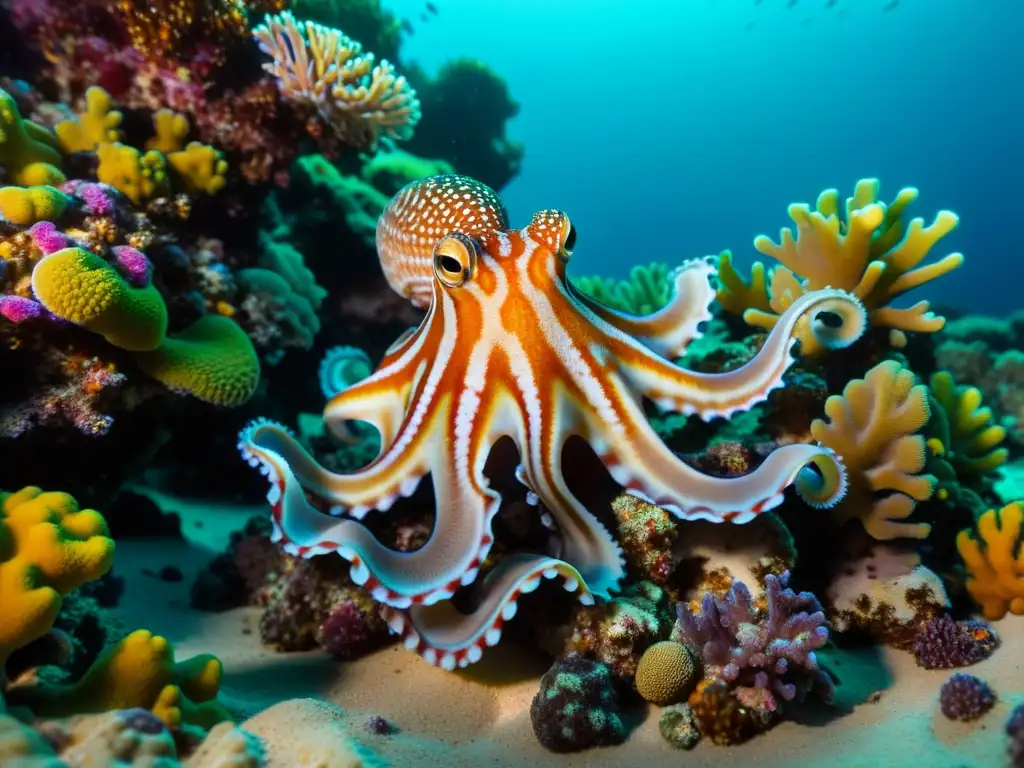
(885, 714)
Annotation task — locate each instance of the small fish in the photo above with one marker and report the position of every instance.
(891, 6)
(407, 27)
(432, 8)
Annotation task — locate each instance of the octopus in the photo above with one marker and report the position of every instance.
(509, 348)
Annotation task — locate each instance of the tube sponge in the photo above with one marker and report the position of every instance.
(82, 288)
(28, 151)
(48, 547)
(212, 359)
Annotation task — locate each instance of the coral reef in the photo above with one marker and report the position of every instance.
(667, 672)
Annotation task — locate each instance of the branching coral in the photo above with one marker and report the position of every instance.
(964, 432)
(872, 427)
(760, 654)
(995, 562)
(326, 70)
(870, 250)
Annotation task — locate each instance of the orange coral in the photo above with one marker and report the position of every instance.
(995, 561)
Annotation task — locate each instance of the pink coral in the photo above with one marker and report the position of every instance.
(47, 238)
(133, 264)
(18, 309)
(761, 653)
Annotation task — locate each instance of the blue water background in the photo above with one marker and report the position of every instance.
(667, 129)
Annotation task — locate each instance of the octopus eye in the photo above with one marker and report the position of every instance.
(454, 259)
(568, 239)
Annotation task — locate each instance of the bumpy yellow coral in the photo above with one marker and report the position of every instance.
(25, 206)
(170, 128)
(82, 288)
(200, 168)
(140, 671)
(96, 126)
(966, 433)
(140, 176)
(994, 561)
(872, 252)
(48, 547)
(28, 151)
(872, 427)
(212, 359)
(667, 673)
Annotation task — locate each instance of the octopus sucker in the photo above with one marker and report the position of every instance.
(509, 349)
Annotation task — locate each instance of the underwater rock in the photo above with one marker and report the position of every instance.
(678, 726)
(577, 707)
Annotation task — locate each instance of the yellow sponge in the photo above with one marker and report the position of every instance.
(28, 151)
(26, 206)
(200, 168)
(170, 128)
(47, 548)
(140, 671)
(97, 125)
(84, 289)
(141, 177)
(212, 359)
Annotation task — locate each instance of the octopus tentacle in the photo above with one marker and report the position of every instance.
(638, 460)
(447, 638)
(721, 394)
(670, 330)
(587, 543)
(450, 557)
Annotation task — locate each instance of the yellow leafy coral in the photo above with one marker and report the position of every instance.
(28, 152)
(170, 129)
(83, 289)
(213, 359)
(140, 671)
(199, 167)
(870, 250)
(994, 561)
(736, 294)
(141, 176)
(96, 126)
(328, 71)
(48, 547)
(872, 427)
(966, 433)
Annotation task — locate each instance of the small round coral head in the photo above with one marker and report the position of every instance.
(455, 259)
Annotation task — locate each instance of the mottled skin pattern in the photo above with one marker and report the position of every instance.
(509, 348)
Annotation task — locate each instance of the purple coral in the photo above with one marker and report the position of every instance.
(98, 198)
(1015, 730)
(965, 697)
(47, 238)
(761, 653)
(19, 309)
(943, 643)
(133, 264)
(347, 633)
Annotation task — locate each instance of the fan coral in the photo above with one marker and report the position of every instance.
(576, 707)
(965, 697)
(761, 653)
(994, 561)
(944, 643)
(872, 252)
(872, 428)
(323, 68)
(667, 672)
